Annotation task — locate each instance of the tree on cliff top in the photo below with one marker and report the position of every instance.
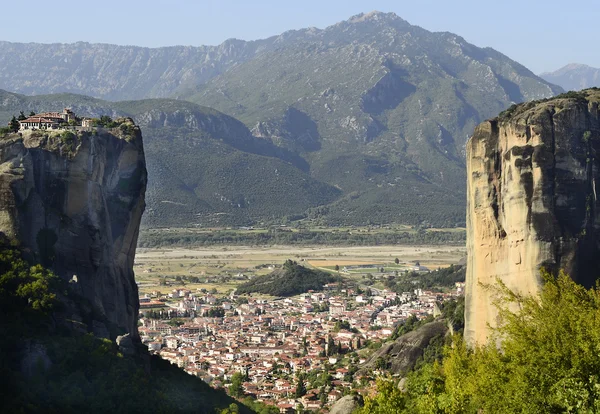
(14, 125)
(548, 361)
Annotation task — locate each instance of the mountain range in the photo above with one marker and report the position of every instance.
(574, 77)
(362, 122)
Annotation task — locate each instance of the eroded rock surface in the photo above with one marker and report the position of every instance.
(74, 202)
(532, 201)
(402, 354)
(346, 405)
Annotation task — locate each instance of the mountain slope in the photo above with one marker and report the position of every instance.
(115, 72)
(204, 168)
(384, 105)
(372, 112)
(574, 77)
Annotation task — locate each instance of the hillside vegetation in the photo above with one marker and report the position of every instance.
(292, 279)
(547, 364)
(379, 108)
(48, 368)
(287, 236)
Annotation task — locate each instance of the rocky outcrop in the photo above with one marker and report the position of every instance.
(295, 131)
(401, 355)
(346, 405)
(74, 203)
(532, 200)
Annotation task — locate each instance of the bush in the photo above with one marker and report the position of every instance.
(548, 362)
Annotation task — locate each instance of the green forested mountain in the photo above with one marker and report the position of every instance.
(362, 122)
(379, 108)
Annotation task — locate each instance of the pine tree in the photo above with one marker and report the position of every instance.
(300, 387)
(14, 124)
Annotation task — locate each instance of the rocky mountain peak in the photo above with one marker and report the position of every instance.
(569, 67)
(574, 76)
(375, 16)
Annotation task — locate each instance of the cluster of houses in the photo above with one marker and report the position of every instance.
(270, 341)
(53, 120)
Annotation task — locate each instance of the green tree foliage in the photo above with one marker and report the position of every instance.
(409, 325)
(341, 324)
(236, 389)
(440, 278)
(14, 125)
(104, 121)
(157, 238)
(259, 407)
(454, 312)
(25, 288)
(548, 362)
(215, 312)
(300, 386)
(232, 409)
(387, 401)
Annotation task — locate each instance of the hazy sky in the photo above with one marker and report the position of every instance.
(542, 35)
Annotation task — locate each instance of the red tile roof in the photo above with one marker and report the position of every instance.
(37, 120)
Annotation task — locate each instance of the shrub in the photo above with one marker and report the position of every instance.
(548, 362)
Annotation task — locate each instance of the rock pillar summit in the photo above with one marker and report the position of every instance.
(73, 201)
(532, 200)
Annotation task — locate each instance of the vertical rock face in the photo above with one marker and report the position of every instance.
(74, 203)
(532, 177)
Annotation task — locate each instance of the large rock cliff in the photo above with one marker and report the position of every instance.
(74, 203)
(532, 200)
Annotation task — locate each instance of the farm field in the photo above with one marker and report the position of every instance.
(221, 269)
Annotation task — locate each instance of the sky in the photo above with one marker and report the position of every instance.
(542, 35)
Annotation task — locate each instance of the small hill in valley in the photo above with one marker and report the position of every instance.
(292, 279)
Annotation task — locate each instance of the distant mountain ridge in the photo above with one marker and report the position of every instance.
(574, 77)
(370, 115)
(386, 107)
(115, 72)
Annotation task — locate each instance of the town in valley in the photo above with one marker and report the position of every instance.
(299, 351)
